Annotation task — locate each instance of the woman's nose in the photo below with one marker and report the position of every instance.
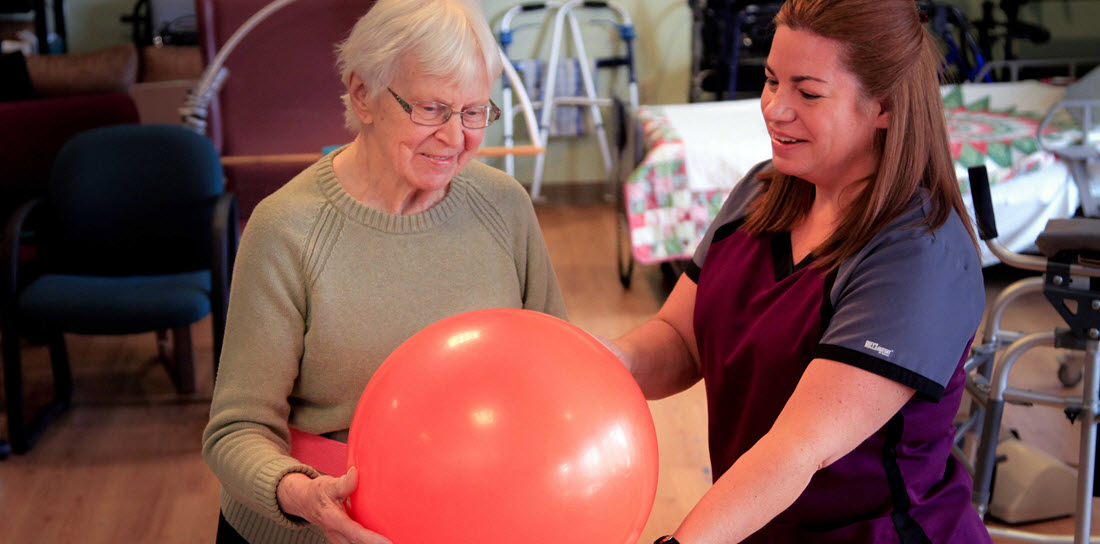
(777, 109)
(450, 132)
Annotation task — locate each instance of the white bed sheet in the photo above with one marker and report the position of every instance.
(722, 140)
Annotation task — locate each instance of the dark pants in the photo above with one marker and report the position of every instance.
(227, 534)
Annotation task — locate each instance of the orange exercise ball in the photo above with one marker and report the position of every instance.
(503, 426)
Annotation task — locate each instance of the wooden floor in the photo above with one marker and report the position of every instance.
(124, 464)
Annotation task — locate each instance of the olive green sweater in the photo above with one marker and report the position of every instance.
(324, 288)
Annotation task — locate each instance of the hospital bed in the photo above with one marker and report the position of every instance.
(689, 156)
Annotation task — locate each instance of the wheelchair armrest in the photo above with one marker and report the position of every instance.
(1077, 235)
(13, 234)
(987, 228)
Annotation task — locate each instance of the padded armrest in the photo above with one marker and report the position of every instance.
(1076, 234)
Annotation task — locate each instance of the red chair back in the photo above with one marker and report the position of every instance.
(283, 91)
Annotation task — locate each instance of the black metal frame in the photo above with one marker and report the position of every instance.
(727, 37)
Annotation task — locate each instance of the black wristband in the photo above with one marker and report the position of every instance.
(667, 539)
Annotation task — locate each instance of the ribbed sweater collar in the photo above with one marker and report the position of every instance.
(383, 221)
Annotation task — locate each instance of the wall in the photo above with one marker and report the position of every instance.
(1074, 26)
(97, 23)
(92, 24)
(663, 56)
(662, 60)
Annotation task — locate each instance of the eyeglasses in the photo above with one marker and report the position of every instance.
(428, 113)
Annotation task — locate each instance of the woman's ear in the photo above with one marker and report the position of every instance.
(883, 119)
(361, 103)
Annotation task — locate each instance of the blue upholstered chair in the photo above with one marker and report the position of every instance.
(134, 234)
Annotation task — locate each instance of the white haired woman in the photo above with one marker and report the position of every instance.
(375, 241)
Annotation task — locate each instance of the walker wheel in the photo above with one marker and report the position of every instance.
(1070, 374)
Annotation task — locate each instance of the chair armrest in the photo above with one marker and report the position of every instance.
(226, 223)
(225, 231)
(13, 234)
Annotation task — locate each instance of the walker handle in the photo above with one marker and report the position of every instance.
(532, 6)
(983, 203)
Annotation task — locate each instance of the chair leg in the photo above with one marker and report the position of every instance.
(182, 365)
(21, 434)
(13, 392)
(163, 350)
(62, 371)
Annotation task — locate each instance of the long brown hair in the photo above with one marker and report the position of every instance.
(897, 62)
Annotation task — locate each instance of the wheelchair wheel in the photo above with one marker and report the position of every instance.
(625, 254)
(623, 251)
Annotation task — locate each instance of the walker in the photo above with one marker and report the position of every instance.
(1071, 282)
(547, 101)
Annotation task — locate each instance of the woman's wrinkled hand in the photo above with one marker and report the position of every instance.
(320, 501)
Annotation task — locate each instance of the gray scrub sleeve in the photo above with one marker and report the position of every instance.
(907, 306)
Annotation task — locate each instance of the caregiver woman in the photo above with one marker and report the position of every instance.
(831, 304)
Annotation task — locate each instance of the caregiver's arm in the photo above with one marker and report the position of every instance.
(662, 354)
(834, 408)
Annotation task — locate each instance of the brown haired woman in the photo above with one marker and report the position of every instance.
(831, 304)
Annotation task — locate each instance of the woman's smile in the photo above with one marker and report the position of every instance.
(442, 160)
(785, 141)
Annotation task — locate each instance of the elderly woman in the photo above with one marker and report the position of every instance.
(375, 241)
(830, 306)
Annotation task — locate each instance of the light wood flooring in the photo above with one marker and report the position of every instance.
(124, 464)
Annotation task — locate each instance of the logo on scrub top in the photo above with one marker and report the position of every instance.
(877, 348)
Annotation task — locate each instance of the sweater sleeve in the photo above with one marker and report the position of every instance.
(513, 215)
(540, 290)
(246, 441)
